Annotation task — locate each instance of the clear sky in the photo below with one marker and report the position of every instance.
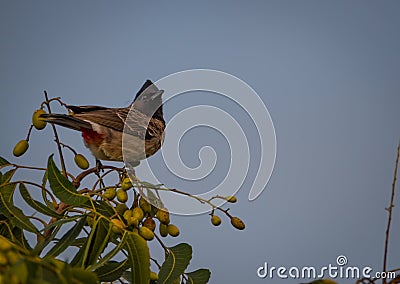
(328, 71)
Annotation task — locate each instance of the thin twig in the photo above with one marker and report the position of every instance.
(28, 167)
(155, 262)
(389, 209)
(77, 181)
(56, 137)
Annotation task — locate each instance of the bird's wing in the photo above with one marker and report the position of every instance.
(83, 109)
(116, 118)
(105, 117)
(136, 122)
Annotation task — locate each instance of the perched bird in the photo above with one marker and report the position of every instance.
(102, 128)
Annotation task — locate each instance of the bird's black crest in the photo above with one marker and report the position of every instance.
(146, 84)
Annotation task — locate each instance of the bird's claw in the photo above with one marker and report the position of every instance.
(99, 167)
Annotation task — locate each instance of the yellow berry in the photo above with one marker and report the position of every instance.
(153, 276)
(163, 216)
(215, 220)
(37, 121)
(81, 161)
(132, 221)
(117, 226)
(149, 223)
(126, 183)
(127, 214)
(3, 260)
(231, 199)
(110, 193)
(20, 148)
(138, 213)
(173, 230)
(12, 257)
(4, 244)
(146, 233)
(122, 196)
(163, 229)
(145, 205)
(237, 223)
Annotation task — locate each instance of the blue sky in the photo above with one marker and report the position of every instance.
(328, 71)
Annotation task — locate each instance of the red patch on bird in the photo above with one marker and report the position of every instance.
(92, 137)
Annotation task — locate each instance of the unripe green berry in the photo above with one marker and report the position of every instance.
(117, 226)
(110, 193)
(163, 229)
(132, 221)
(122, 196)
(145, 205)
(90, 221)
(146, 233)
(215, 220)
(126, 183)
(237, 223)
(138, 213)
(81, 161)
(20, 148)
(153, 276)
(231, 199)
(127, 214)
(37, 121)
(163, 216)
(173, 230)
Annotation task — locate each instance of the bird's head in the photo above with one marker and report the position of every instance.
(149, 100)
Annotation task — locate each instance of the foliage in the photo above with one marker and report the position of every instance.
(106, 231)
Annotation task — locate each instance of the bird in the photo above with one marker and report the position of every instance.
(102, 128)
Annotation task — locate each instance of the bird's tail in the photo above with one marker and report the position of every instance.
(67, 121)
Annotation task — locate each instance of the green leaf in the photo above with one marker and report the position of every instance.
(62, 187)
(16, 215)
(139, 257)
(178, 259)
(81, 276)
(112, 270)
(120, 245)
(68, 238)
(7, 176)
(19, 237)
(4, 162)
(149, 185)
(7, 190)
(44, 192)
(41, 244)
(200, 276)
(38, 206)
(20, 269)
(102, 231)
(79, 242)
(153, 199)
(84, 256)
